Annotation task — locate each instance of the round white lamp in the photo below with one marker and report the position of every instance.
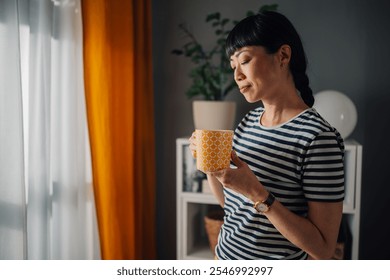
(336, 108)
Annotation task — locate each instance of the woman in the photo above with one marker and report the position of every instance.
(283, 195)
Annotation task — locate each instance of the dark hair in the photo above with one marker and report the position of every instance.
(272, 30)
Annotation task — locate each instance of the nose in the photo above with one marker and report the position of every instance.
(238, 75)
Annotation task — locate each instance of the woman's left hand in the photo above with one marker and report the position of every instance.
(241, 180)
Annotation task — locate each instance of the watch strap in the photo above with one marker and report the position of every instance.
(270, 200)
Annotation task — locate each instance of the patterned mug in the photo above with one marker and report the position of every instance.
(213, 149)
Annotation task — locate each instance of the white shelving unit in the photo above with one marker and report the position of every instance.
(353, 185)
(192, 205)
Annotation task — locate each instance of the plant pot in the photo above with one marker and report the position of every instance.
(214, 115)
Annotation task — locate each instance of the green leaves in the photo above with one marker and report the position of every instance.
(225, 21)
(249, 13)
(212, 76)
(273, 7)
(213, 16)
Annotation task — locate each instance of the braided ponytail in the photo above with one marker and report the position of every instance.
(302, 84)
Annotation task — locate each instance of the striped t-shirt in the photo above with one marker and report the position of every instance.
(298, 161)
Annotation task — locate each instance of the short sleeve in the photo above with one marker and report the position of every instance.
(323, 168)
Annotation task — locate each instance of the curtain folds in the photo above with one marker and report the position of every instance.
(60, 201)
(119, 95)
(41, 60)
(60, 209)
(12, 188)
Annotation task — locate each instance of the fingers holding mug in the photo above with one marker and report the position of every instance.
(193, 144)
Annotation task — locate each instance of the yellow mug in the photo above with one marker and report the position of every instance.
(213, 149)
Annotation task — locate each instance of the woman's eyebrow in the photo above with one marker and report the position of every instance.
(238, 53)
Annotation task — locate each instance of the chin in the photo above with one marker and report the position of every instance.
(249, 99)
(252, 96)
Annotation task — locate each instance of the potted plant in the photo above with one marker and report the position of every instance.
(212, 76)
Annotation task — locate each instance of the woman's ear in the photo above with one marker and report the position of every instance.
(284, 54)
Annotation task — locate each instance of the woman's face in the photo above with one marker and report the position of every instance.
(256, 72)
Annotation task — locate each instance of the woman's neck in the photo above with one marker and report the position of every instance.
(282, 110)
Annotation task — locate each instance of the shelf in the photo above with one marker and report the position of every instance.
(194, 197)
(349, 211)
(200, 252)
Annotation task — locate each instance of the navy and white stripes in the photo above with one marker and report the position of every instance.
(298, 161)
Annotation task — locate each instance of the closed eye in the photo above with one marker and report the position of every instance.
(241, 63)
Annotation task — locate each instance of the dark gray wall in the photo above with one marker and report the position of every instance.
(347, 44)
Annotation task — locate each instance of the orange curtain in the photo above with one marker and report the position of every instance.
(119, 94)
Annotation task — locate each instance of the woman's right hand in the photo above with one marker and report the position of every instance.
(192, 140)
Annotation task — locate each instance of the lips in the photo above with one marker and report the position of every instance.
(244, 88)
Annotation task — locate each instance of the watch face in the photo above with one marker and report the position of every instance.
(261, 207)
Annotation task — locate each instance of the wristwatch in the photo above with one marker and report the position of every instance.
(264, 206)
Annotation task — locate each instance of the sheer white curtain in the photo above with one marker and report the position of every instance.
(12, 194)
(61, 222)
